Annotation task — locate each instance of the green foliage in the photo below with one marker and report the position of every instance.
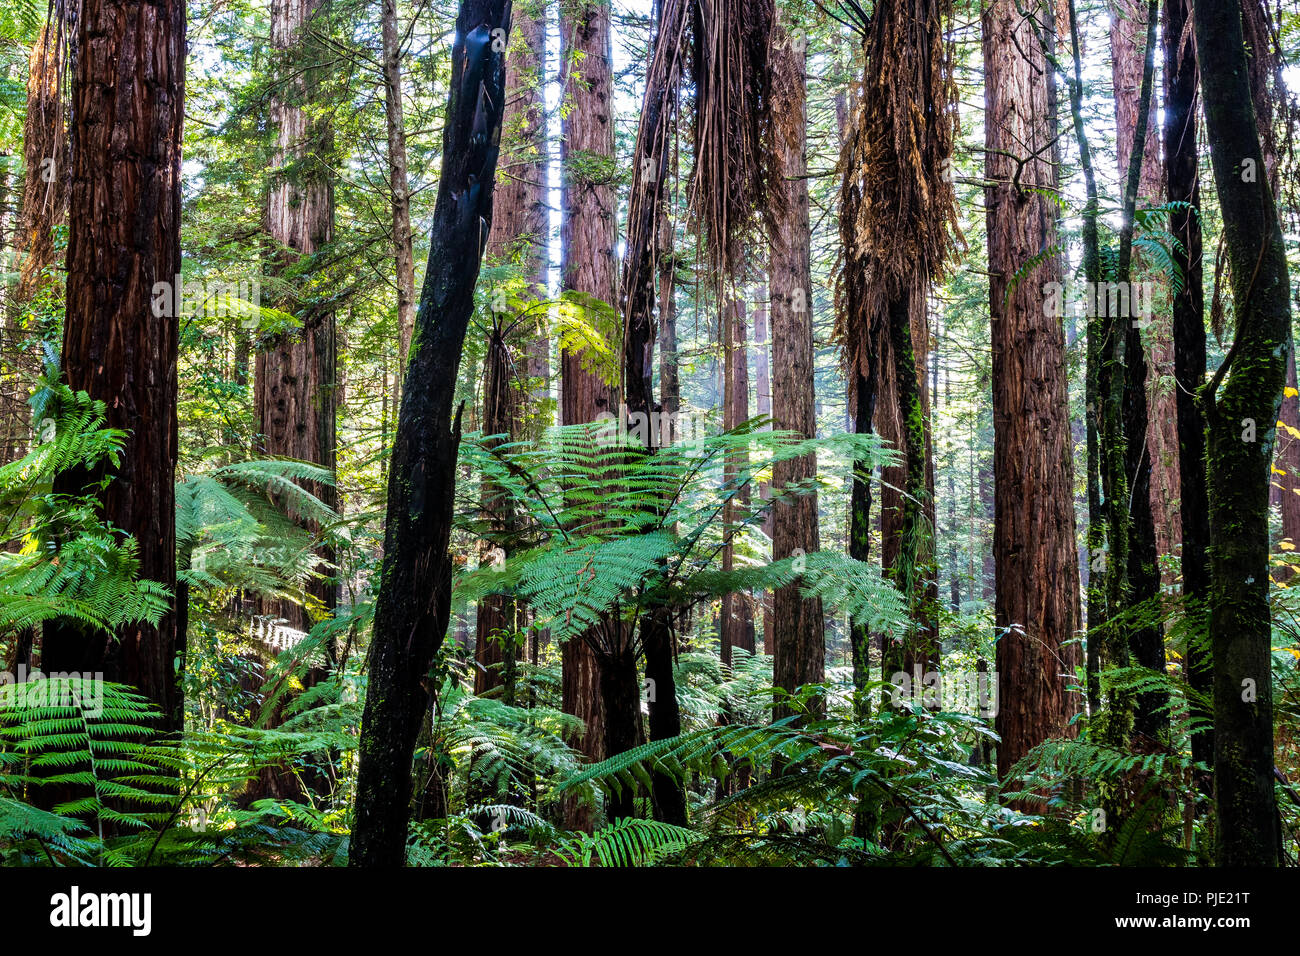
(58, 557)
(597, 549)
(85, 746)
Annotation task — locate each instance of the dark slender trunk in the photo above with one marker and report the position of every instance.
(498, 621)
(1146, 636)
(412, 606)
(646, 242)
(1094, 554)
(1189, 353)
(1238, 468)
(621, 694)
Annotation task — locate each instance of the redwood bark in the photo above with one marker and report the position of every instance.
(798, 638)
(588, 232)
(43, 206)
(518, 232)
(1037, 577)
(128, 109)
(294, 387)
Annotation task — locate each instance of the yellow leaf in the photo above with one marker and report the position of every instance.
(1290, 392)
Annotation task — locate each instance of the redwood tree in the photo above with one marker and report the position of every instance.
(798, 638)
(294, 386)
(1033, 528)
(120, 336)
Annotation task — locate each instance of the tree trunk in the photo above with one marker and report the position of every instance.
(1128, 36)
(499, 616)
(798, 638)
(1238, 467)
(1146, 637)
(1189, 346)
(737, 621)
(128, 108)
(44, 206)
(399, 185)
(294, 387)
(588, 232)
(294, 374)
(1267, 89)
(518, 232)
(412, 606)
(1033, 533)
(646, 241)
(763, 403)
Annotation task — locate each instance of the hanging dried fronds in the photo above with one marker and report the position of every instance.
(731, 77)
(646, 219)
(897, 207)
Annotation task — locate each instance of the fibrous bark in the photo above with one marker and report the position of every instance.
(1033, 536)
(128, 107)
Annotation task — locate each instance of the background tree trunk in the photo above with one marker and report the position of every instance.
(399, 184)
(294, 387)
(1189, 342)
(588, 232)
(43, 206)
(519, 230)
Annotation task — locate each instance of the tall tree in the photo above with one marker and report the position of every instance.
(895, 225)
(399, 185)
(798, 638)
(120, 332)
(43, 206)
(1142, 573)
(588, 234)
(737, 614)
(1268, 91)
(1188, 324)
(1128, 30)
(648, 239)
(1241, 404)
(413, 603)
(294, 388)
(519, 233)
(1033, 535)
